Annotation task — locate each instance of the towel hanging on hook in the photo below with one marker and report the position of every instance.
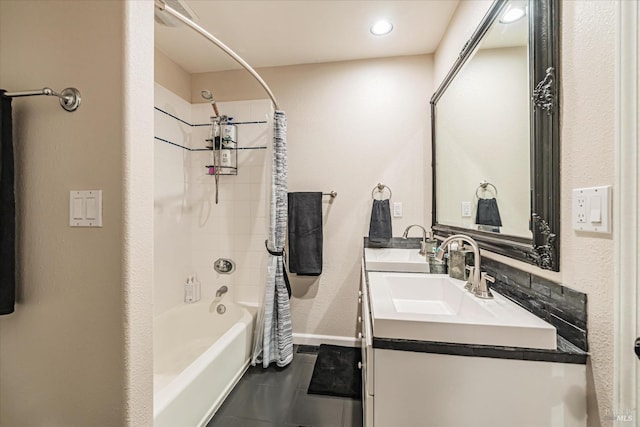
(487, 212)
(380, 230)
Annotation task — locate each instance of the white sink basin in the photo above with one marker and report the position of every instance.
(394, 259)
(435, 307)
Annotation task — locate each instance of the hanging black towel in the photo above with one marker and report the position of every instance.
(488, 213)
(380, 225)
(7, 210)
(305, 233)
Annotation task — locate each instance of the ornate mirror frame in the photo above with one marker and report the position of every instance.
(543, 248)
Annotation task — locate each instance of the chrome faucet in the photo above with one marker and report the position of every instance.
(423, 245)
(221, 291)
(477, 280)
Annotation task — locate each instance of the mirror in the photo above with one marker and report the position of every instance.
(495, 136)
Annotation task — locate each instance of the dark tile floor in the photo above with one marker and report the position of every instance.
(277, 397)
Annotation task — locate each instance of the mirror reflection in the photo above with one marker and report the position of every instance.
(482, 130)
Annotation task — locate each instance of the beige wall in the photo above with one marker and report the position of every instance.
(463, 23)
(350, 125)
(587, 159)
(63, 356)
(171, 76)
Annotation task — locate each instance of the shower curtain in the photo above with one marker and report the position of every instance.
(273, 340)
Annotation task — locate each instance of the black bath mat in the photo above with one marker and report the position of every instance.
(336, 372)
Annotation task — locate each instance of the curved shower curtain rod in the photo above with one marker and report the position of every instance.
(160, 4)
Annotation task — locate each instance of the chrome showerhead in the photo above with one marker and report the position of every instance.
(208, 95)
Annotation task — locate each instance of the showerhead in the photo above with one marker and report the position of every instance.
(208, 95)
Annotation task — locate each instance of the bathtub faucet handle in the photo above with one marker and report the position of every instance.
(221, 291)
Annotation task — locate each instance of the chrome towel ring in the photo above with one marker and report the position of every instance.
(380, 188)
(483, 186)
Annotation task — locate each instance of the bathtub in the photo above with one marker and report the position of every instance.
(199, 356)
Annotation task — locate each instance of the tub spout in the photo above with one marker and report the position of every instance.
(221, 291)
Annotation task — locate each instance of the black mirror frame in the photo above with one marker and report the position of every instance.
(543, 248)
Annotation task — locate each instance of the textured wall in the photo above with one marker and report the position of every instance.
(350, 125)
(587, 159)
(137, 241)
(171, 76)
(61, 352)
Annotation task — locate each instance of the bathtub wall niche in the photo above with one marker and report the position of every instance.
(191, 231)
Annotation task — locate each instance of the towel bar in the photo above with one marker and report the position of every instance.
(69, 97)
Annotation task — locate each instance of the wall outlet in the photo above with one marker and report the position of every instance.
(466, 209)
(591, 209)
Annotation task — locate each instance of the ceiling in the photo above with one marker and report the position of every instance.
(274, 33)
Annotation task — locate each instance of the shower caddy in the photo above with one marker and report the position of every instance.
(223, 143)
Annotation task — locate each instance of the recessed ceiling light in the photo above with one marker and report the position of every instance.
(381, 28)
(512, 15)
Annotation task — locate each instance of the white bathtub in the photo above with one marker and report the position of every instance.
(199, 356)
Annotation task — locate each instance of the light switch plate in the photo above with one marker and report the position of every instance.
(466, 209)
(591, 209)
(85, 208)
(397, 209)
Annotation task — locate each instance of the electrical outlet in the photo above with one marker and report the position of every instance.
(582, 209)
(591, 209)
(579, 208)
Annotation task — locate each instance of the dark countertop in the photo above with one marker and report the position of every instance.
(565, 353)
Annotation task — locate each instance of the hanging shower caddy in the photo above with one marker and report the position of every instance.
(223, 143)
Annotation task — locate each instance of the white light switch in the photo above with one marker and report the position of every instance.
(76, 208)
(85, 208)
(595, 212)
(591, 209)
(92, 208)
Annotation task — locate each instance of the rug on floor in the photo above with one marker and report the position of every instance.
(336, 372)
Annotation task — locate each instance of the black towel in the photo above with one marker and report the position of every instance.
(380, 225)
(305, 233)
(488, 213)
(7, 210)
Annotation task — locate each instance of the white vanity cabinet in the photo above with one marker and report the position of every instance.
(408, 383)
(366, 336)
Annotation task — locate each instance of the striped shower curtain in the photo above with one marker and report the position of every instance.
(273, 340)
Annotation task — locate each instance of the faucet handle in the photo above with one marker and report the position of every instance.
(485, 276)
(482, 290)
(470, 286)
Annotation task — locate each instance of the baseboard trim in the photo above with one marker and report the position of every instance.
(312, 339)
